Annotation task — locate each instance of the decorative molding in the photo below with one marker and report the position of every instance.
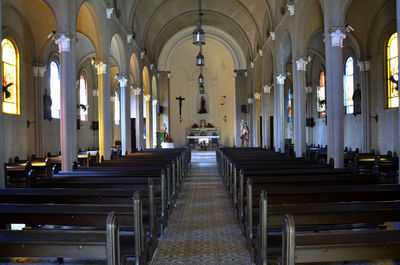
(142, 53)
(169, 75)
(151, 66)
(308, 89)
(109, 12)
(251, 64)
(290, 7)
(101, 68)
(63, 43)
(129, 38)
(260, 52)
(147, 97)
(301, 64)
(272, 33)
(123, 81)
(337, 38)
(38, 70)
(267, 89)
(257, 95)
(280, 79)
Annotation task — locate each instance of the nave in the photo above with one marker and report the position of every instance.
(203, 228)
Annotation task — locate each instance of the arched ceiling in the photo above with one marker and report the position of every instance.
(159, 20)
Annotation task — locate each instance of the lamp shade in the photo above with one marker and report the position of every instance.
(200, 59)
(201, 89)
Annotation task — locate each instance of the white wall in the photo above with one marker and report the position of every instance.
(219, 81)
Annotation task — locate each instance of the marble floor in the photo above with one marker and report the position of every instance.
(202, 228)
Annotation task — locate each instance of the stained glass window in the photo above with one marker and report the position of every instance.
(116, 108)
(55, 89)
(321, 98)
(10, 77)
(289, 106)
(392, 72)
(348, 85)
(83, 98)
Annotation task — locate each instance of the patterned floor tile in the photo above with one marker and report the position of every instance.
(202, 229)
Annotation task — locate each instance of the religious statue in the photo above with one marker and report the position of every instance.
(163, 128)
(244, 132)
(202, 105)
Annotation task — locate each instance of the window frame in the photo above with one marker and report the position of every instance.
(17, 102)
(56, 61)
(321, 113)
(386, 73)
(348, 109)
(84, 113)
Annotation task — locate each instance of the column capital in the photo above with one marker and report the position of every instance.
(147, 97)
(280, 79)
(250, 100)
(290, 7)
(337, 37)
(364, 65)
(101, 68)
(257, 95)
(129, 38)
(301, 64)
(63, 42)
(308, 89)
(137, 91)
(123, 80)
(155, 102)
(272, 33)
(38, 70)
(109, 12)
(267, 89)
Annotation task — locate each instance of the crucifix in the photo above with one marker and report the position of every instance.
(180, 107)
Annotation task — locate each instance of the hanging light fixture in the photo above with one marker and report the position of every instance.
(201, 77)
(200, 59)
(201, 89)
(198, 33)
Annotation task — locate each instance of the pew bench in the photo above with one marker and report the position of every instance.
(17, 174)
(337, 246)
(99, 244)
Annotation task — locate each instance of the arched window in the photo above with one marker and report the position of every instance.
(392, 92)
(10, 67)
(321, 98)
(348, 85)
(116, 108)
(289, 106)
(55, 89)
(83, 98)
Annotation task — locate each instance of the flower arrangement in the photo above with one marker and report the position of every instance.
(202, 146)
(168, 139)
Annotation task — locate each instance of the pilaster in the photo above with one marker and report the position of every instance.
(125, 115)
(38, 74)
(279, 113)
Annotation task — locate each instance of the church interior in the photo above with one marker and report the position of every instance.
(167, 105)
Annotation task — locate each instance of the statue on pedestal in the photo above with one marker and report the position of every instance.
(244, 133)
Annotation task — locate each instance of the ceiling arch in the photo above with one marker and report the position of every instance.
(176, 41)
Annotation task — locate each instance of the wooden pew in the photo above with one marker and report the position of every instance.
(317, 217)
(17, 174)
(103, 244)
(337, 246)
(88, 215)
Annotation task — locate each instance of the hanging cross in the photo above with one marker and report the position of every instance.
(180, 107)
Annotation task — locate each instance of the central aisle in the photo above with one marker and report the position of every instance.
(202, 228)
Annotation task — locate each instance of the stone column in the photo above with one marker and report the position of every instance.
(299, 104)
(2, 155)
(147, 97)
(139, 118)
(266, 115)
(365, 105)
(335, 113)
(125, 115)
(38, 74)
(309, 130)
(163, 84)
(279, 113)
(68, 104)
(154, 123)
(398, 30)
(257, 104)
(104, 111)
(241, 99)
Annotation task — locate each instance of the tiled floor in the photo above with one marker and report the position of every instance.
(202, 228)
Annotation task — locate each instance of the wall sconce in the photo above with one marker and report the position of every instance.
(223, 100)
(375, 118)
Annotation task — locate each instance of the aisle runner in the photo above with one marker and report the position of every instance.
(202, 228)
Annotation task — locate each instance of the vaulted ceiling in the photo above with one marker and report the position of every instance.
(156, 21)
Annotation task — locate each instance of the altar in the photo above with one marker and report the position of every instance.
(203, 135)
